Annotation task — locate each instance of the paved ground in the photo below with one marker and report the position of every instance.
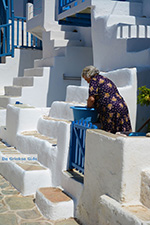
(16, 209)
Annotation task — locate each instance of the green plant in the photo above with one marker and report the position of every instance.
(143, 96)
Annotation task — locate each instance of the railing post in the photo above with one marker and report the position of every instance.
(12, 17)
(29, 11)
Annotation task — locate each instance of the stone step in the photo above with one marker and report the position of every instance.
(64, 43)
(13, 90)
(62, 110)
(36, 134)
(49, 126)
(51, 143)
(73, 183)
(59, 35)
(46, 62)
(59, 51)
(35, 143)
(5, 100)
(28, 175)
(23, 81)
(131, 214)
(54, 203)
(34, 72)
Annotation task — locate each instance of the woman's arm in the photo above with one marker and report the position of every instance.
(90, 101)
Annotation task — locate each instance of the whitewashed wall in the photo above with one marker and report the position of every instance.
(14, 67)
(109, 170)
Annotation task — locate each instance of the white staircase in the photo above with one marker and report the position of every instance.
(50, 142)
(61, 49)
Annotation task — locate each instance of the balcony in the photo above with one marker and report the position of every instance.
(74, 12)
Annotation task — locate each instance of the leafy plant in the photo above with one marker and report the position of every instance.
(144, 96)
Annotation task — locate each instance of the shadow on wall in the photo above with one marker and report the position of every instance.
(26, 59)
(134, 11)
(57, 86)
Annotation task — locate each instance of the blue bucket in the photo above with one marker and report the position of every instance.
(137, 134)
(84, 113)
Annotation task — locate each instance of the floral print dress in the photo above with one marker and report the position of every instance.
(112, 109)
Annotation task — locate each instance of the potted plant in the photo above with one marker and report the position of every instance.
(144, 99)
(144, 96)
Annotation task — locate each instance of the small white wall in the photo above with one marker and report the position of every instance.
(14, 67)
(20, 118)
(113, 166)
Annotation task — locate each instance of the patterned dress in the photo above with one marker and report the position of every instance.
(112, 109)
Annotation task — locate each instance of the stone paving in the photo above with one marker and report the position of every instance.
(16, 209)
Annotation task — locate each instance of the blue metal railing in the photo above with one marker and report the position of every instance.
(3, 13)
(67, 4)
(13, 31)
(23, 39)
(77, 144)
(6, 28)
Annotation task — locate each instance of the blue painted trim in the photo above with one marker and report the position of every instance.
(77, 144)
(4, 4)
(83, 15)
(63, 22)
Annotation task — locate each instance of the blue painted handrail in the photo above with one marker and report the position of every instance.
(13, 32)
(6, 46)
(77, 144)
(23, 39)
(67, 4)
(3, 12)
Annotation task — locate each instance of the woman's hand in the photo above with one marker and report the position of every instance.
(90, 101)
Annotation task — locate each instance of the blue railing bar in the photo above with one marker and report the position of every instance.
(19, 17)
(79, 141)
(12, 15)
(27, 39)
(80, 149)
(36, 42)
(8, 39)
(68, 2)
(17, 32)
(22, 26)
(5, 25)
(4, 4)
(9, 11)
(7, 14)
(4, 41)
(77, 167)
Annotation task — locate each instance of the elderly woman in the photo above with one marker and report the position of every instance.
(105, 97)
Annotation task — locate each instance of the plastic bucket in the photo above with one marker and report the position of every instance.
(137, 134)
(84, 113)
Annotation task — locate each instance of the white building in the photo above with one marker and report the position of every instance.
(115, 37)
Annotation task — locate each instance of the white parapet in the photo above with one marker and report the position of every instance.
(53, 155)
(20, 117)
(145, 187)
(113, 165)
(54, 204)
(112, 212)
